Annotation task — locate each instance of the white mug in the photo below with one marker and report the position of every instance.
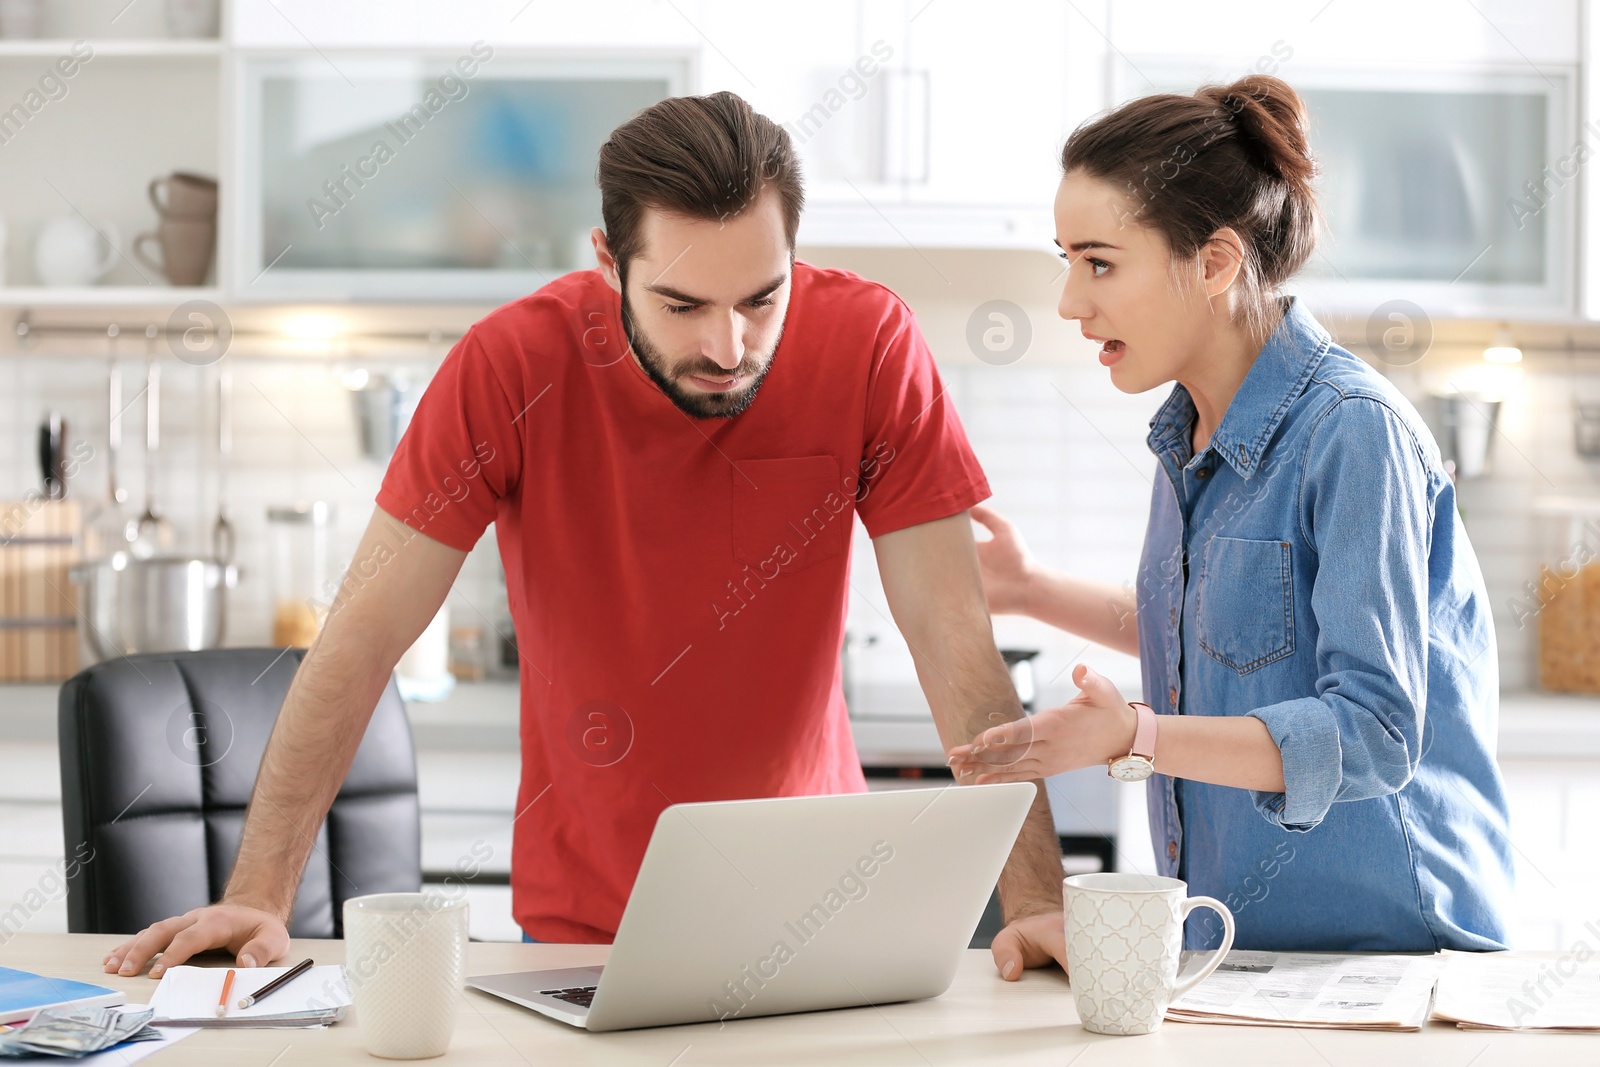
(405, 956)
(1124, 933)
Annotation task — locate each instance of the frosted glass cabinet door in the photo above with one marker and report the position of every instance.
(387, 178)
(1426, 184)
(1441, 187)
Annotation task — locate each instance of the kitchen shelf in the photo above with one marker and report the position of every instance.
(105, 295)
(152, 47)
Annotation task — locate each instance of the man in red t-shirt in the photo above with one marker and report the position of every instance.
(672, 449)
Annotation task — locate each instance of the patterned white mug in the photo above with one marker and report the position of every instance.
(1124, 934)
(404, 957)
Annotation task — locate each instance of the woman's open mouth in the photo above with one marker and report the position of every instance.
(1111, 351)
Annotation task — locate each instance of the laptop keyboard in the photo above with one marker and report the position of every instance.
(580, 995)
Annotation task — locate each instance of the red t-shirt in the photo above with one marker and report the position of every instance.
(678, 585)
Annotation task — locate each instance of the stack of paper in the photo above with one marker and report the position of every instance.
(1494, 991)
(187, 996)
(1312, 990)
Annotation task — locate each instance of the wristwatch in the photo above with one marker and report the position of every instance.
(1140, 762)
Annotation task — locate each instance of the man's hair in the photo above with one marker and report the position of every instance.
(701, 157)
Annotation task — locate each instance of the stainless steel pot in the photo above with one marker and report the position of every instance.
(160, 604)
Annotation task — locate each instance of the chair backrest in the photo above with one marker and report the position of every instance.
(159, 754)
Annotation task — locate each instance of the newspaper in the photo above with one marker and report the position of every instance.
(1314, 990)
(1499, 991)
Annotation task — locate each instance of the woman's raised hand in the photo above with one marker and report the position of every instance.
(1007, 564)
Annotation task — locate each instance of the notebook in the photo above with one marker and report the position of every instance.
(22, 993)
(187, 996)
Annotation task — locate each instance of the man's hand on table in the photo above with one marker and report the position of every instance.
(1031, 941)
(254, 936)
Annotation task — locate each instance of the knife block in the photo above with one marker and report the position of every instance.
(39, 541)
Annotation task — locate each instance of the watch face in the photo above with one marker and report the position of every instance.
(1131, 769)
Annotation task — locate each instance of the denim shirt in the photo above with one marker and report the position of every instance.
(1309, 568)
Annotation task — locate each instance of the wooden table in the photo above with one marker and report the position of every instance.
(981, 1020)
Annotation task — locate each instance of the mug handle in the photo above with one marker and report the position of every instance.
(140, 254)
(1222, 951)
(113, 238)
(161, 209)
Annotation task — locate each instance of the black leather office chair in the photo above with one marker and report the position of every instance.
(159, 753)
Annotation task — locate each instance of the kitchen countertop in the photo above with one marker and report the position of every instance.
(980, 1019)
(891, 726)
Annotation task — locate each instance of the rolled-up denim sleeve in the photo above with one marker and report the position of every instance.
(1366, 505)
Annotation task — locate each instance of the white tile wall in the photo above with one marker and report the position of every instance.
(1065, 455)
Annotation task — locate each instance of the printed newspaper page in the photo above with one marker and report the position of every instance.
(1498, 991)
(1319, 990)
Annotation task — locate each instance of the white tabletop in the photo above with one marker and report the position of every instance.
(981, 1020)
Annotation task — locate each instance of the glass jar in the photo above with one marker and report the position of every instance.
(298, 535)
(469, 653)
(1566, 595)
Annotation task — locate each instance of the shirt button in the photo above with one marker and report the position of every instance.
(1202, 472)
(1172, 696)
(1172, 850)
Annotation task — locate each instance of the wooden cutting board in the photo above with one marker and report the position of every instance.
(40, 540)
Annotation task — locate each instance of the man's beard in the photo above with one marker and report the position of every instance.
(699, 405)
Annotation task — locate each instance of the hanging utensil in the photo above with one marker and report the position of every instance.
(222, 532)
(107, 525)
(52, 455)
(153, 531)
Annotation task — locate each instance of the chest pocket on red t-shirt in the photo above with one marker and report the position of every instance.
(789, 514)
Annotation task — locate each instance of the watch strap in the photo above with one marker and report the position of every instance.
(1144, 734)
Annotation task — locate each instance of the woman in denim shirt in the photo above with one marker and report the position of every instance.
(1312, 624)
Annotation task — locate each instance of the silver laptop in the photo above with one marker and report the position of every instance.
(764, 907)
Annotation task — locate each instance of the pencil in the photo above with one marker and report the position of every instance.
(277, 983)
(227, 987)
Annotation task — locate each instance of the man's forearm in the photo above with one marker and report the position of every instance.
(930, 574)
(394, 586)
(970, 691)
(323, 719)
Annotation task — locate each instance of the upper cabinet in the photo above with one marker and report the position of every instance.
(1448, 136)
(922, 124)
(1373, 33)
(1455, 136)
(401, 24)
(451, 174)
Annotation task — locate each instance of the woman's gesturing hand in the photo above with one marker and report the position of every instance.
(1092, 728)
(1006, 563)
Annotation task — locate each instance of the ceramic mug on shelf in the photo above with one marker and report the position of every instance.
(187, 232)
(1124, 934)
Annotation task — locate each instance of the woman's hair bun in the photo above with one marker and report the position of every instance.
(1272, 120)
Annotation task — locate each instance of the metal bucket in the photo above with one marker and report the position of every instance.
(161, 604)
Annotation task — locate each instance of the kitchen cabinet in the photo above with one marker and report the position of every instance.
(920, 124)
(1447, 176)
(334, 202)
(1550, 757)
(1374, 33)
(398, 24)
